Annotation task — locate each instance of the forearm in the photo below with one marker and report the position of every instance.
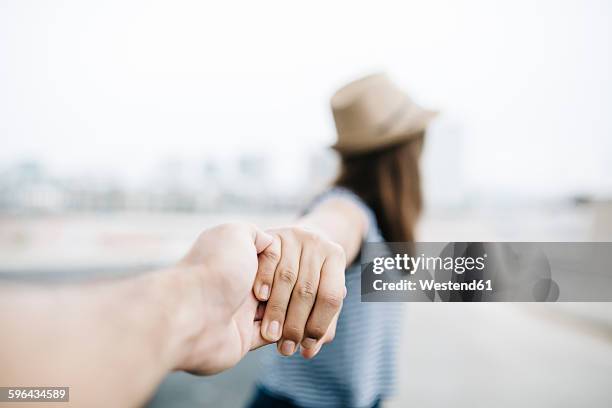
(341, 222)
(110, 342)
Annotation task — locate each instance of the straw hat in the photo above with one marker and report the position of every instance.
(372, 113)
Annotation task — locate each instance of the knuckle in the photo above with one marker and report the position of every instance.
(276, 309)
(337, 250)
(297, 230)
(311, 238)
(315, 332)
(272, 253)
(304, 235)
(332, 299)
(287, 275)
(306, 291)
(290, 233)
(264, 278)
(293, 332)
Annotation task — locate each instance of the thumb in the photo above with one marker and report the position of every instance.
(262, 240)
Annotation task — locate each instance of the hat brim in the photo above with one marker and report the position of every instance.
(405, 129)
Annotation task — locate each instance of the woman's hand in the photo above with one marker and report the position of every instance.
(301, 276)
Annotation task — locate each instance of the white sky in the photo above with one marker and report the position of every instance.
(122, 85)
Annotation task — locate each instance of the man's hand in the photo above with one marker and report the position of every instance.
(301, 276)
(217, 276)
(124, 335)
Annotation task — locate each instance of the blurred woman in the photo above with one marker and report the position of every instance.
(376, 197)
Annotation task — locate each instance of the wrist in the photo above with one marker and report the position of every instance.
(183, 314)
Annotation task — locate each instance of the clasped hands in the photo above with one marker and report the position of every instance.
(242, 288)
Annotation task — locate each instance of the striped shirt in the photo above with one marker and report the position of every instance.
(358, 367)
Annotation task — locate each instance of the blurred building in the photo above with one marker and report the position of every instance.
(214, 184)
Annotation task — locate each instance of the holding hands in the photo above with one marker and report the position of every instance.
(253, 288)
(238, 288)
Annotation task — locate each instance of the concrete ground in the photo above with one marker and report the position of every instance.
(465, 355)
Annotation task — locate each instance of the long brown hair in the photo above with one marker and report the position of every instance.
(389, 182)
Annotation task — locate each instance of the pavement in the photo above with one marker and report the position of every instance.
(465, 355)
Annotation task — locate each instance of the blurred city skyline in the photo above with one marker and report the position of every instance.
(219, 184)
(114, 89)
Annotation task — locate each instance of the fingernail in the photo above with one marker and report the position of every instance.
(264, 292)
(288, 347)
(345, 292)
(309, 343)
(273, 329)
